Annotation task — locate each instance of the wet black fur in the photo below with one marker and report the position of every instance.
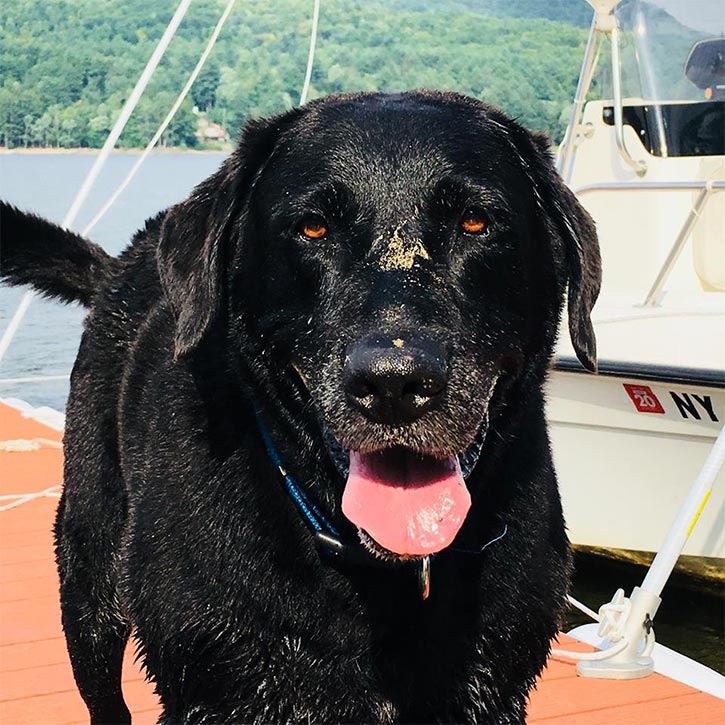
(173, 522)
(55, 261)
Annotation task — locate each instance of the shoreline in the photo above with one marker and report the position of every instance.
(76, 150)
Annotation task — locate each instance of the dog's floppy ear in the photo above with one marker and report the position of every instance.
(190, 254)
(570, 226)
(584, 268)
(193, 246)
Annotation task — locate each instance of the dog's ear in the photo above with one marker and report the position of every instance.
(189, 255)
(584, 267)
(192, 250)
(570, 227)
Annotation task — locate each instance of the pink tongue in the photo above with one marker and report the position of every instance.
(408, 504)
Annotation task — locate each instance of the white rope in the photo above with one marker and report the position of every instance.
(33, 379)
(583, 608)
(14, 323)
(612, 620)
(126, 112)
(311, 54)
(29, 444)
(21, 498)
(100, 161)
(613, 617)
(164, 124)
(601, 654)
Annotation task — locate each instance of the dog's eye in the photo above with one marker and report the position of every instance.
(474, 221)
(313, 228)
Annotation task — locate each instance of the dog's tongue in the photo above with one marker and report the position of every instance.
(408, 503)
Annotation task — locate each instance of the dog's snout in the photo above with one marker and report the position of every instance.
(395, 380)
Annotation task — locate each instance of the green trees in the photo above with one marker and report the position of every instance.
(67, 66)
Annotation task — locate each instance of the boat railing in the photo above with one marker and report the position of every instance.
(639, 166)
(705, 188)
(565, 159)
(604, 22)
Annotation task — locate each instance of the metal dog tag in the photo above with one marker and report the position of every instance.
(424, 577)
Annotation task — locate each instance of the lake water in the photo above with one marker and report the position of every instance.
(46, 183)
(47, 342)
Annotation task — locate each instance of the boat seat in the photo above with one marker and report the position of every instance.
(708, 240)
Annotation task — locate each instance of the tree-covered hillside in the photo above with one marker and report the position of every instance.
(68, 65)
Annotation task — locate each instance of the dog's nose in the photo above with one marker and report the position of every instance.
(395, 380)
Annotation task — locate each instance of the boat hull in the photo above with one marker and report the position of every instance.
(628, 444)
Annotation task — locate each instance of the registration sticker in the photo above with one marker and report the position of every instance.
(643, 398)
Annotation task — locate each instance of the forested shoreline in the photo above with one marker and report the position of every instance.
(67, 66)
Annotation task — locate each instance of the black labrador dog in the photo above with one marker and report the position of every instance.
(307, 464)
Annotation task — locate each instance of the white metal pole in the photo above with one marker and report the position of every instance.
(653, 295)
(686, 519)
(637, 165)
(566, 152)
(632, 660)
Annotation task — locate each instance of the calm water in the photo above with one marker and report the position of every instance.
(48, 340)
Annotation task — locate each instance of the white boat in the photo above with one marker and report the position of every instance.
(647, 159)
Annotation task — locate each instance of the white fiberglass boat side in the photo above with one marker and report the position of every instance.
(647, 160)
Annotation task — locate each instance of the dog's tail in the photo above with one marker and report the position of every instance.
(56, 262)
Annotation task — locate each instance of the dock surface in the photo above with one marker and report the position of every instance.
(36, 682)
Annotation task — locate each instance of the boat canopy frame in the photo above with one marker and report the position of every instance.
(604, 23)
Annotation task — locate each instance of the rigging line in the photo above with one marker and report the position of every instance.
(582, 608)
(20, 499)
(23, 445)
(311, 54)
(34, 379)
(160, 130)
(102, 157)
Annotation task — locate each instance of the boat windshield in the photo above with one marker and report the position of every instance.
(659, 39)
(673, 75)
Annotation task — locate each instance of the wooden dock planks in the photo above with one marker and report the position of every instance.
(36, 683)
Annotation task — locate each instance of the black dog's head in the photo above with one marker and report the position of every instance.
(404, 258)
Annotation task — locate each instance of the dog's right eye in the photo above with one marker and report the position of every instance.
(474, 221)
(313, 228)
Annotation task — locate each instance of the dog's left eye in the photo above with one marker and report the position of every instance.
(313, 228)
(474, 221)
